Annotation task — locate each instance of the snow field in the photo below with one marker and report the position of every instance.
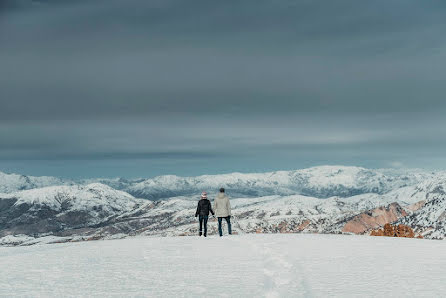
(277, 265)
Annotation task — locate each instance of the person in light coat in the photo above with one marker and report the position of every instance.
(222, 209)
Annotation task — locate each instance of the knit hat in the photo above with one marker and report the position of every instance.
(204, 195)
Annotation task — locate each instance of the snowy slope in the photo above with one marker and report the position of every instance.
(61, 208)
(292, 265)
(78, 196)
(430, 219)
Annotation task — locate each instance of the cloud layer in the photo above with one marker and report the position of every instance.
(315, 81)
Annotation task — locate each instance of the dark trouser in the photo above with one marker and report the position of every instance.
(228, 221)
(203, 220)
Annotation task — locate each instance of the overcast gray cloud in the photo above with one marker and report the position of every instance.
(209, 83)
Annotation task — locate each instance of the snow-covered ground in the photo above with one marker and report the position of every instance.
(279, 265)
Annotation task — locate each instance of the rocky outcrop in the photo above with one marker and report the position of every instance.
(373, 219)
(303, 225)
(416, 206)
(395, 231)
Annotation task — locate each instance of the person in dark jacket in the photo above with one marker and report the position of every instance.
(203, 209)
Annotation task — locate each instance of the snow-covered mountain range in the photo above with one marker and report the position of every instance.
(327, 199)
(318, 182)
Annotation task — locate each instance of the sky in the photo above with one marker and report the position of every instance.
(140, 88)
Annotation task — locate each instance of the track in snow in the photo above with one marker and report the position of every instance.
(292, 265)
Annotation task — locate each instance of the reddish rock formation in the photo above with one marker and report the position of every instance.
(389, 231)
(404, 231)
(374, 218)
(395, 231)
(378, 232)
(303, 225)
(283, 227)
(414, 207)
(286, 227)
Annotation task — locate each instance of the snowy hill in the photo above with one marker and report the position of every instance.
(62, 209)
(287, 265)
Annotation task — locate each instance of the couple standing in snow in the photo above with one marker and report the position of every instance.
(222, 209)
